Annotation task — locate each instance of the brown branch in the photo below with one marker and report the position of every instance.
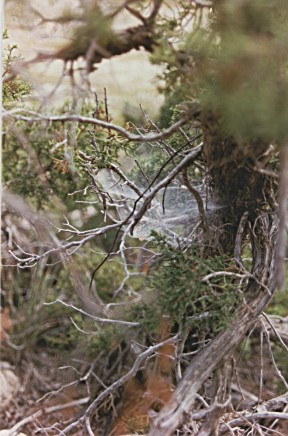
(155, 10)
(132, 38)
(136, 14)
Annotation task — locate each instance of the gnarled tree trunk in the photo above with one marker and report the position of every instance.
(246, 215)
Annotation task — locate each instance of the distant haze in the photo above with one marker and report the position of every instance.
(129, 79)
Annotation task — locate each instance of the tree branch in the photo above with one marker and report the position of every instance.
(36, 117)
(254, 416)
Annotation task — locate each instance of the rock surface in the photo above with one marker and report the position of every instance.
(9, 384)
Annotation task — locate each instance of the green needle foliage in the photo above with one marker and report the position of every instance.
(179, 293)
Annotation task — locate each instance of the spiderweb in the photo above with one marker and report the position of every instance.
(173, 211)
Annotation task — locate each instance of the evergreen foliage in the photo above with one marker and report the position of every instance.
(177, 290)
(225, 73)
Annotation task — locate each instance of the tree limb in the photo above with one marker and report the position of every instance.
(36, 117)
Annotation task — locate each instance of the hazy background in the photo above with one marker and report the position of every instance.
(129, 79)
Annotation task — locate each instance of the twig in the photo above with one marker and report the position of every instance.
(224, 273)
(136, 14)
(34, 258)
(203, 3)
(74, 403)
(125, 178)
(88, 426)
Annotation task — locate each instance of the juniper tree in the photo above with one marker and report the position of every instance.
(219, 149)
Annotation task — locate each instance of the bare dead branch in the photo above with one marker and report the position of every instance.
(13, 431)
(203, 3)
(275, 403)
(254, 417)
(95, 318)
(36, 117)
(129, 183)
(112, 388)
